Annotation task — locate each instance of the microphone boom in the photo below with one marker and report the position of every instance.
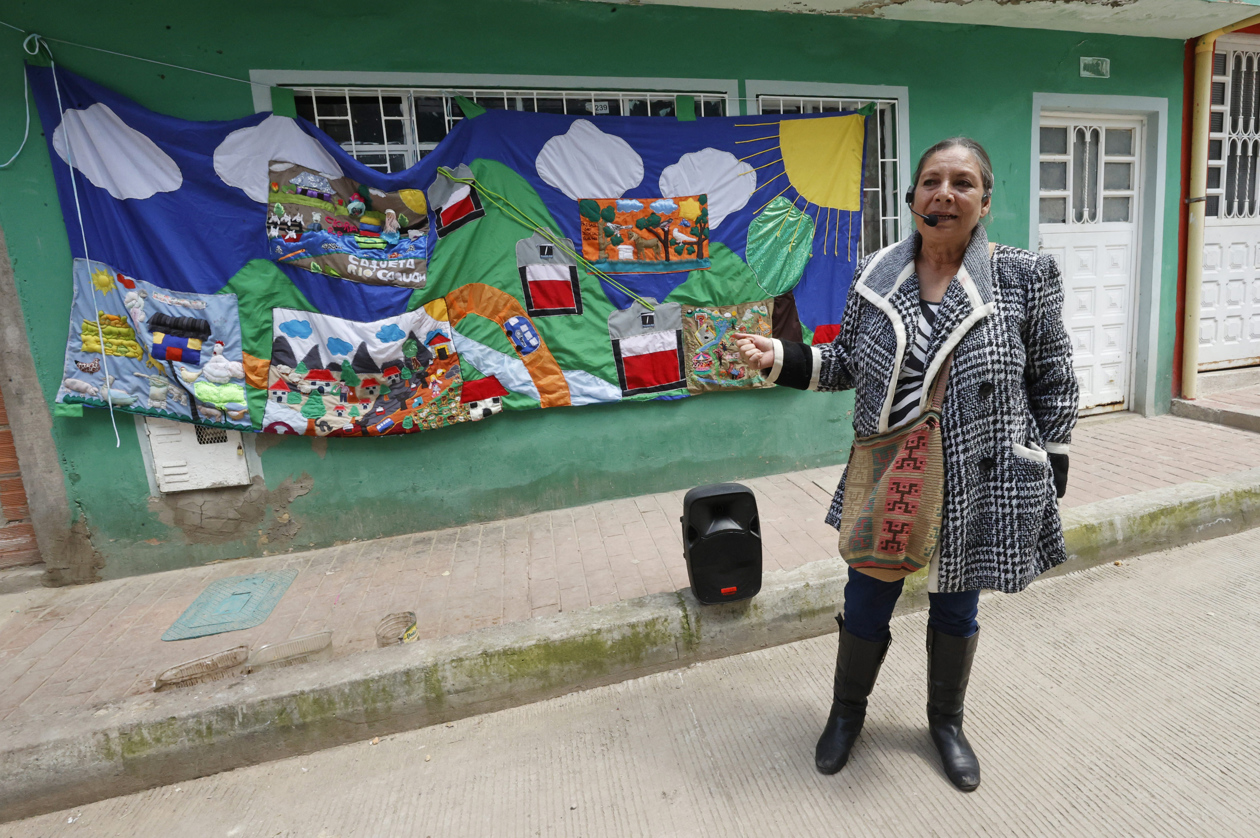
(930, 220)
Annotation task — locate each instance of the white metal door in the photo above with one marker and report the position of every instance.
(1229, 314)
(1090, 171)
(1229, 317)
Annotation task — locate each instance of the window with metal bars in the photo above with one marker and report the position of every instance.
(881, 191)
(1234, 135)
(390, 128)
(1086, 172)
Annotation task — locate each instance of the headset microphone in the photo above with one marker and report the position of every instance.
(929, 220)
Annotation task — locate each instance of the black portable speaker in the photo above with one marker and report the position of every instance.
(722, 542)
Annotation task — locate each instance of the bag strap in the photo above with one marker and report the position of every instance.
(942, 377)
(938, 386)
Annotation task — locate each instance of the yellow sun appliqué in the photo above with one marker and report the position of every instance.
(103, 280)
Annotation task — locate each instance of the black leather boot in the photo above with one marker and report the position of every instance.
(949, 668)
(857, 665)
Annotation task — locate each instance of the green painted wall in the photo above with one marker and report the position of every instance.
(962, 79)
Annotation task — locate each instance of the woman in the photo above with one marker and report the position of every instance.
(1010, 405)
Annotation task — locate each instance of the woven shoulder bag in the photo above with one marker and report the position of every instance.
(894, 494)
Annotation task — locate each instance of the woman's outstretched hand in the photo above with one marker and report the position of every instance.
(757, 351)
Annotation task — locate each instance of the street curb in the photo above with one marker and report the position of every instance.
(1202, 412)
(172, 737)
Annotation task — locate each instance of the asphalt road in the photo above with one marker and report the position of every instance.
(1121, 701)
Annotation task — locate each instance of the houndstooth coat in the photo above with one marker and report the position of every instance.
(1011, 398)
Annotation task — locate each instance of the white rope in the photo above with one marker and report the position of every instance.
(135, 57)
(78, 210)
(26, 92)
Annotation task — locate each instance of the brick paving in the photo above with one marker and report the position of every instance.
(1243, 399)
(74, 648)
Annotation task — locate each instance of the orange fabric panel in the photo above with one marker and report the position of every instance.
(255, 370)
(493, 304)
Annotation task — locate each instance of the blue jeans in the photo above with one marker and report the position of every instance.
(868, 608)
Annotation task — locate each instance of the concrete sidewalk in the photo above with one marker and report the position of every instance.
(543, 598)
(1093, 714)
(1239, 408)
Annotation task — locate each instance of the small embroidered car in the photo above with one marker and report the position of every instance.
(522, 334)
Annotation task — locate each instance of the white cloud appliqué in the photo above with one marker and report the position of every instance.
(584, 162)
(242, 159)
(727, 181)
(114, 156)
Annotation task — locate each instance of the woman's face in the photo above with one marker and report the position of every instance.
(951, 188)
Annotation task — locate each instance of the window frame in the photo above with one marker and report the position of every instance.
(1215, 208)
(1071, 123)
(409, 147)
(899, 97)
(462, 82)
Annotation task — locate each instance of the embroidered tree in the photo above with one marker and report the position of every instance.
(657, 228)
(314, 407)
(700, 226)
(601, 218)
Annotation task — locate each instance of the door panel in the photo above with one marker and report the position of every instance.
(1098, 291)
(1229, 317)
(1089, 195)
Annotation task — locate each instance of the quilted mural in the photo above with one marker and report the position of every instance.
(252, 275)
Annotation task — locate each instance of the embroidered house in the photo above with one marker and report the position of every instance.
(549, 276)
(178, 338)
(313, 185)
(455, 203)
(440, 345)
(483, 397)
(648, 348)
(321, 381)
(279, 391)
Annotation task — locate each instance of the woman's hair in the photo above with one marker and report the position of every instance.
(977, 151)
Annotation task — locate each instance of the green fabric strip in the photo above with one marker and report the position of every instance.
(470, 108)
(282, 102)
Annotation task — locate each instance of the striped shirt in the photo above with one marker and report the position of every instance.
(910, 383)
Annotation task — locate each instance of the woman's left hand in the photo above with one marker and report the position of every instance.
(1059, 466)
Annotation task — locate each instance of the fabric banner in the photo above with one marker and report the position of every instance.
(528, 261)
